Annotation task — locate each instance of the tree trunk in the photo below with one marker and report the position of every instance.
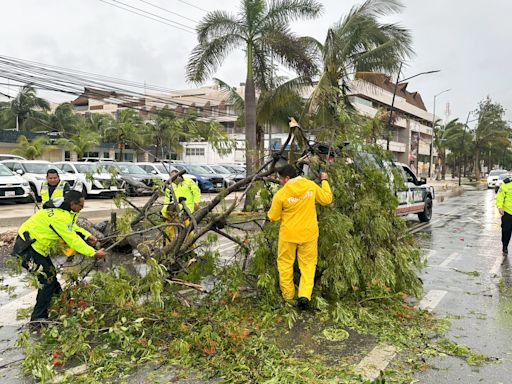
(477, 165)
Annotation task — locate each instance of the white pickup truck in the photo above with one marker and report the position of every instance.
(417, 198)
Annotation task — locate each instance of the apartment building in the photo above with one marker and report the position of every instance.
(411, 133)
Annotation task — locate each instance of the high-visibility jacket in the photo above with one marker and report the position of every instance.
(187, 189)
(48, 226)
(58, 192)
(504, 197)
(294, 205)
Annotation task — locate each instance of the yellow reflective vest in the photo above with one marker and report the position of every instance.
(57, 192)
(187, 189)
(49, 226)
(504, 197)
(294, 205)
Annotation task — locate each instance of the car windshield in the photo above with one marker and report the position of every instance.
(40, 168)
(4, 171)
(219, 169)
(90, 168)
(497, 172)
(128, 169)
(197, 169)
(503, 176)
(163, 168)
(234, 168)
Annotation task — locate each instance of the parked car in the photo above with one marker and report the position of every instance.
(162, 170)
(500, 181)
(97, 160)
(13, 186)
(137, 181)
(494, 177)
(206, 181)
(6, 156)
(228, 177)
(96, 180)
(235, 169)
(34, 172)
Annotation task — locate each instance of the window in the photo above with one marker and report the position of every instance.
(194, 152)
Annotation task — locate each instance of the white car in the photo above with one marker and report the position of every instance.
(162, 170)
(13, 186)
(94, 177)
(493, 177)
(34, 172)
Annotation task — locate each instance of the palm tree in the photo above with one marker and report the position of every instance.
(446, 136)
(128, 129)
(83, 140)
(26, 109)
(261, 29)
(168, 130)
(273, 106)
(34, 149)
(358, 43)
(63, 119)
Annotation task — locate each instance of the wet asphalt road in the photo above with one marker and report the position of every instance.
(465, 236)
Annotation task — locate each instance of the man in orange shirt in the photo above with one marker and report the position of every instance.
(294, 206)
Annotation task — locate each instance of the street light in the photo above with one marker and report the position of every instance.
(394, 95)
(433, 133)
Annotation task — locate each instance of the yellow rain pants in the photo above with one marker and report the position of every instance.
(307, 254)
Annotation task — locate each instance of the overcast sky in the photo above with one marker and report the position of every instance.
(468, 40)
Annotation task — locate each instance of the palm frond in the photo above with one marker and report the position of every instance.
(218, 24)
(286, 11)
(206, 58)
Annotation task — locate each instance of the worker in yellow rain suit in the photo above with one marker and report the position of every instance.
(294, 205)
(187, 192)
(53, 187)
(504, 205)
(36, 237)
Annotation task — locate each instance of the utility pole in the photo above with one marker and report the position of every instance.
(433, 134)
(462, 152)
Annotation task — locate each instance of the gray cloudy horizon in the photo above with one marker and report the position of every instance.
(466, 40)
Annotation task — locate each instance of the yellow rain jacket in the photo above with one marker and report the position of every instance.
(59, 191)
(48, 226)
(187, 189)
(294, 205)
(504, 197)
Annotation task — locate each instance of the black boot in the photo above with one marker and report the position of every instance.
(505, 252)
(302, 303)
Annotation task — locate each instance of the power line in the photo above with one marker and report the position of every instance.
(190, 30)
(166, 10)
(64, 76)
(154, 15)
(193, 6)
(68, 82)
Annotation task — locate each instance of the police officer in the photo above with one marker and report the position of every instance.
(186, 190)
(504, 205)
(53, 188)
(36, 237)
(294, 206)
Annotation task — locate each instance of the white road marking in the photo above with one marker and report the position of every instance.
(449, 259)
(376, 361)
(432, 299)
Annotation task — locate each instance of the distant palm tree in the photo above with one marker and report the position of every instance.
(261, 29)
(127, 129)
(358, 43)
(63, 119)
(83, 140)
(32, 150)
(26, 110)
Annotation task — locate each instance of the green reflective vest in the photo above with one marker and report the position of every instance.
(504, 197)
(187, 189)
(57, 192)
(48, 226)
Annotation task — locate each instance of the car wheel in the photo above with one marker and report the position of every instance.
(426, 215)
